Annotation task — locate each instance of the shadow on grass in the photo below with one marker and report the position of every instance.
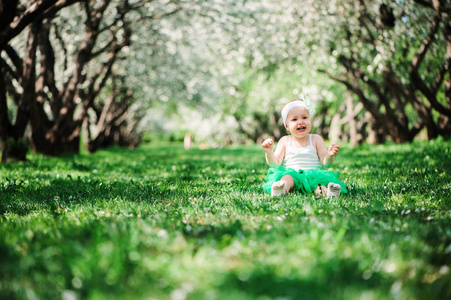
(22, 198)
(335, 274)
(143, 175)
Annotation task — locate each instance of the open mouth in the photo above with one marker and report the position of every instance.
(301, 128)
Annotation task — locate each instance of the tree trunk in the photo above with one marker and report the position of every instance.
(354, 136)
(22, 72)
(14, 147)
(376, 135)
(444, 122)
(14, 144)
(335, 130)
(62, 134)
(112, 126)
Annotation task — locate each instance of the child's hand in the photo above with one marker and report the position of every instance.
(267, 145)
(333, 149)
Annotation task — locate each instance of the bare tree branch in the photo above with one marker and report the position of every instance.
(39, 9)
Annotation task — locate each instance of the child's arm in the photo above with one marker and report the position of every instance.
(326, 156)
(274, 158)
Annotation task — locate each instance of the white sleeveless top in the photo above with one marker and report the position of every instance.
(301, 158)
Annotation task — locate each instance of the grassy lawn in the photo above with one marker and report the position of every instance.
(160, 222)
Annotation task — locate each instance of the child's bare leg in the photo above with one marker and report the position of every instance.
(283, 186)
(289, 183)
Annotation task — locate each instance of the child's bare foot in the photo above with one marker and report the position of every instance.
(333, 190)
(277, 188)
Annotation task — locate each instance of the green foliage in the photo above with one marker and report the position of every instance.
(162, 222)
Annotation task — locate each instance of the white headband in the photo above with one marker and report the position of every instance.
(305, 103)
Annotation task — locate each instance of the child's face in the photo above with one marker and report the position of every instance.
(298, 122)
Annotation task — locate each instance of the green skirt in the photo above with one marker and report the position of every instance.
(305, 181)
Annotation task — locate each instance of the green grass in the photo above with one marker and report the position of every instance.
(160, 222)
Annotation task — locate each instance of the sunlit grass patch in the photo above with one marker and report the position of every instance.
(161, 222)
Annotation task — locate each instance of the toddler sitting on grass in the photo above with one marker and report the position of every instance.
(297, 163)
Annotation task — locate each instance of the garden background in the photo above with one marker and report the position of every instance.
(100, 199)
